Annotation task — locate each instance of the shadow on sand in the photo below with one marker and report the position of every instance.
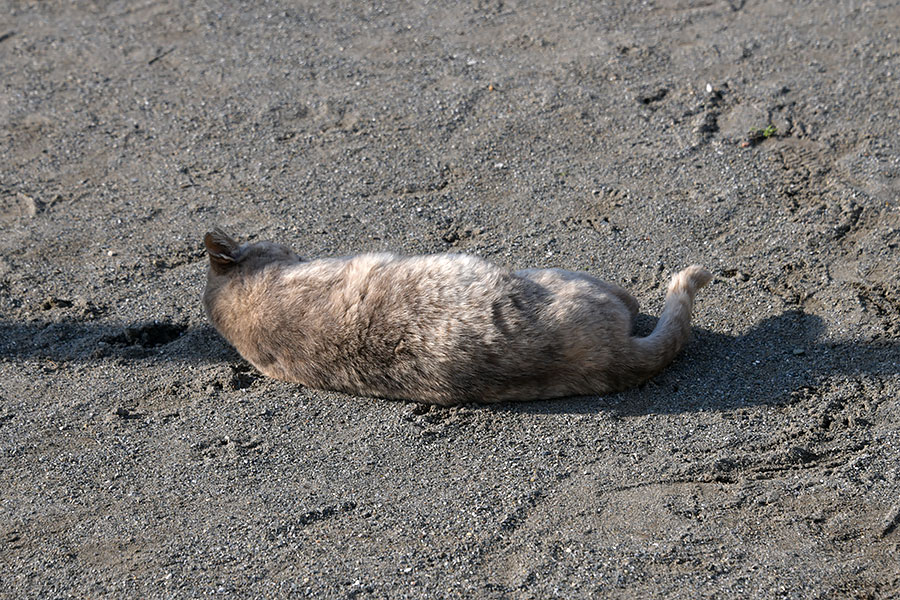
(70, 341)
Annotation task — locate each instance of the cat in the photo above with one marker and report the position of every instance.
(440, 329)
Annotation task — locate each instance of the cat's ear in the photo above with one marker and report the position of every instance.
(222, 250)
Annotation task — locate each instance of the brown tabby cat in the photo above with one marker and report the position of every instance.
(443, 329)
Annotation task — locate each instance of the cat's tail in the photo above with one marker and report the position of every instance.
(652, 353)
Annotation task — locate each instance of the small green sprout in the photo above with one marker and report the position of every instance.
(764, 134)
(756, 135)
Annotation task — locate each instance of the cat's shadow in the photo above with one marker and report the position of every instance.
(779, 357)
(86, 341)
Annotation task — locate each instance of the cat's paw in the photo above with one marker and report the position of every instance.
(690, 280)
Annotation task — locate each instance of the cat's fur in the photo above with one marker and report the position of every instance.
(443, 329)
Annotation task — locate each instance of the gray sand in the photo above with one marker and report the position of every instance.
(140, 456)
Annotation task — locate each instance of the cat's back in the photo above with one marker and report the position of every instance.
(370, 299)
(383, 275)
(376, 322)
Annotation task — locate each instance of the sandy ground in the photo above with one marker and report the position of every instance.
(141, 457)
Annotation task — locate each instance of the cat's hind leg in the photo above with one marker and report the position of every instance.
(549, 276)
(630, 302)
